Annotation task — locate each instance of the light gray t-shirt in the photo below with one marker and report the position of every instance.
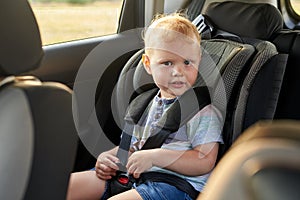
(205, 127)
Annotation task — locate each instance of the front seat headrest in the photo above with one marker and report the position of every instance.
(21, 47)
(259, 20)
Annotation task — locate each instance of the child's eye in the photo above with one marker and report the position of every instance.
(167, 63)
(187, 62)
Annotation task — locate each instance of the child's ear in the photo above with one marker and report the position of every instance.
(146, 63)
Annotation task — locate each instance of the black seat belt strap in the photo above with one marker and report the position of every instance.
(179, 114)
(124, 146)
(184, 109)
(134, 113)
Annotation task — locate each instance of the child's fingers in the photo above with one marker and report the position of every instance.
(109, 161)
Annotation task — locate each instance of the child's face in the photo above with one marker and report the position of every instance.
(173, 66)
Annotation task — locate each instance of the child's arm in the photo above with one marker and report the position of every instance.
(106, 164)
(194, 162)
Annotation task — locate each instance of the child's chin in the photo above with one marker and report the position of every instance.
(179, 93)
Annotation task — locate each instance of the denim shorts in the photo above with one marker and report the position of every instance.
(160, 191)
(156, 191)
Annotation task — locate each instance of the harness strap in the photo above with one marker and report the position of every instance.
(170, 179)
(134, 113)
(183, 109)
(138, 105)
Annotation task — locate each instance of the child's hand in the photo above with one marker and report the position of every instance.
(139, 162)
(106, 166)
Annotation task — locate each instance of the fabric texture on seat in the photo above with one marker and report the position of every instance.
(228, 60)
(241, 112)
(133, 80)
(260, 90)
(38, 136)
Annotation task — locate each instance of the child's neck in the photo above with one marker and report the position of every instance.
(166, 97)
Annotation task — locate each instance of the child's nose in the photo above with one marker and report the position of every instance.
(178, 70)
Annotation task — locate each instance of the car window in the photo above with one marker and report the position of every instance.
(296, 6)
(67, 20)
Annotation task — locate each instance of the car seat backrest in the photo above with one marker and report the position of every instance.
(223, 63)
(260, 90)
(38, 137)
(266, 68)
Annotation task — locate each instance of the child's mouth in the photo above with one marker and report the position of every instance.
(178, 84)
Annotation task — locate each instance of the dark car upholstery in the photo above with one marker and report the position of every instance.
(288, 41)
(256, 164)
(258, 93)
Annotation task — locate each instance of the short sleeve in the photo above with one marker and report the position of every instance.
(206, 126)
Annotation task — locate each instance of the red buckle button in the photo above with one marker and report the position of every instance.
(123, 180)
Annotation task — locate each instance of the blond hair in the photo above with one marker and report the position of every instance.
(175, 22)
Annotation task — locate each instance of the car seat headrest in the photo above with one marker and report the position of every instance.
(21, 47)
(142, 81)
(251, 20)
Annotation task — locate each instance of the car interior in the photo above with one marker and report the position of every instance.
(64, 104)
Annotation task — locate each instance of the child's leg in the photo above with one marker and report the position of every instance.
(85, 185)
(130, 194)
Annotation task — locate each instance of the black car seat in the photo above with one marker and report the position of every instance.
(263, 163)
(259, 91)
(38, 138)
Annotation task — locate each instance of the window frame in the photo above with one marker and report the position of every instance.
(83, 37)
(291, 18)
(291, 10)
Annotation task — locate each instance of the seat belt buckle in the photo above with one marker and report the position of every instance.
(120, 183)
